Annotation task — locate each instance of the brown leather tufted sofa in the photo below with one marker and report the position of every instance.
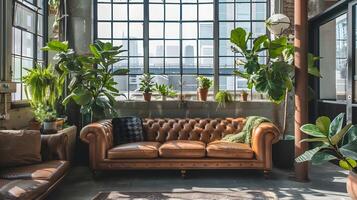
(181, 144)
(36, 181)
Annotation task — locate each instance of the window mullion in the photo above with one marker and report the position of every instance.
(216, 46)
(146, 36)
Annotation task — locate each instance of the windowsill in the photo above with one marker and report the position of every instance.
(20, 104)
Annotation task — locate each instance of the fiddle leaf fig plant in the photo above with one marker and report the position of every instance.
(333, 141)
(92, 84)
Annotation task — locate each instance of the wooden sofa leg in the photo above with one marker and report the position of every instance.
(183, 173)
(267, 174)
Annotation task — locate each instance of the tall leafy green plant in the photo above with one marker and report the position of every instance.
(333, 141)
(92, 84)
(147, 83)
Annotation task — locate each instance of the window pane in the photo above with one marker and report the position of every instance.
(206, 30)
(205, 66)
(189, 48)
(189, 30)
(225, 29)
(242, 11)
(226, 11)
(189, 12)
(156, 11)
(136, 48)
(206, 48)
(172, 30)
(172, 48)
(17, 41)
(225, 48)
(172, 12)
(28, 44)
(226, 65)
(120, 30)
(104, 11)
(120, 11)
(136, 30)
(172, 65)
(104, 30)
(136, 65)
(16, 69)
(189, 65)
(136, 12)
(259, 11)
(156, 30)
(206, 12)
(156, 65)
(156, 48)
(123, 43)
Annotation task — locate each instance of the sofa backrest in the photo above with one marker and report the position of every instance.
(205, 130)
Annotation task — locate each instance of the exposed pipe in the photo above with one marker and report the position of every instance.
(301, 84)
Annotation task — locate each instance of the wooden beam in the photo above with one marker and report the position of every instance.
(301, 84)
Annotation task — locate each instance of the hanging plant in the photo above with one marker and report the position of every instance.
(53, 7)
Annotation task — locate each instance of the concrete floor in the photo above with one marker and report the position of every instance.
(326, 182)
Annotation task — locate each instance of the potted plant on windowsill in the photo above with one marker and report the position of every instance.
(333, 142)
(165, 91)
(204, 84)
(244, 96)
(147, 86)
(223, 97)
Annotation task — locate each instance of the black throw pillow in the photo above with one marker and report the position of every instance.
(127, 130)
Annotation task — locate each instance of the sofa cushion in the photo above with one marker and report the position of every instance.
(183, 149)
(127, 130)
(50, 171)
(222, 149)
(20, 147)
(22, 189)
(135, 150)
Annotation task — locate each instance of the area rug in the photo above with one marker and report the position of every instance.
(246, 194)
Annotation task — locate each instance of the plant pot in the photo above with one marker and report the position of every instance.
(147, 96)
(50, 126)
(34, 125)
(244, 97)
(164, 98)
(284, 154)
(352, 185)
(203, 94)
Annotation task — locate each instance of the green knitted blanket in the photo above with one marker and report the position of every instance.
(245, 135)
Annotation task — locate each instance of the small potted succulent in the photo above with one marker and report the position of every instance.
(204, 84)
(223, 97)
(165, 91)
(333, 142)
(147, 86)
(244, 96)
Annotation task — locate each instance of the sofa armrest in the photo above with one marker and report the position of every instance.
(99, 136)
(263, 137)
(59, 146)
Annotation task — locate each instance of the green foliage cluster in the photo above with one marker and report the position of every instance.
(204, 82)
(147, 83)
(275, 77)
(44, 113)
(333, 141)
(165, 90)
(92, 84)
(43, 88)
(223, 97)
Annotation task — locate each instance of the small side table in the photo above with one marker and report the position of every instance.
(60, 145)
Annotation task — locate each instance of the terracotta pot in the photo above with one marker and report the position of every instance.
(244, 97)
(352, 185)
(34, 125)
(203, 94)
(147, 96)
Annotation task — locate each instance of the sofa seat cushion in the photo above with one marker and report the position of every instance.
(50, 171)
(22, 189)
(222, 149)
(183, 149)
(135, 150)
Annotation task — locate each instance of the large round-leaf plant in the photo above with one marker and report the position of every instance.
(332, 141)
(92, 84)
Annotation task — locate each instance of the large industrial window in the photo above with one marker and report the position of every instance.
(176, 40)
(27, 40)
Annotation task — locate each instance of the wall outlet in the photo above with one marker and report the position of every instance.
(7, 87)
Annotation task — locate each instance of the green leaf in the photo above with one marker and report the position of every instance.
(312, 130)
(322, 157)
(238, 37)
(94, 51)
(312, 68)
(350, 150)
(308, 155)
(257, 43)
(82, 96)
(323, 124)
(351, 135)
(347, 165)
(241, 74)
(120, 72)
(336, 124)
(56, 45)
(315, 140)
(338, 137)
